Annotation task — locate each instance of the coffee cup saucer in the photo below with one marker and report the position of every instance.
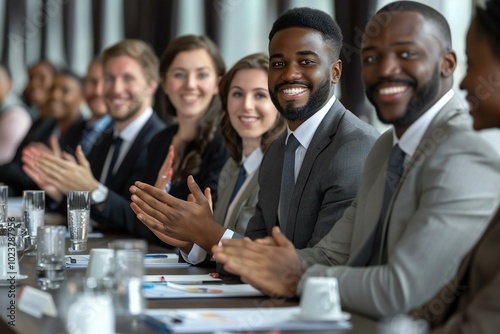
(344, 316)
(5, 281)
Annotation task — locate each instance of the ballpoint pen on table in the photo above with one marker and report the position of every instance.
(155, 256)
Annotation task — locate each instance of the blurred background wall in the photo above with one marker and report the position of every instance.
(71, 32)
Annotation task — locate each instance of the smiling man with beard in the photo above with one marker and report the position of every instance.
(428, 187)
(304, 67)
(130, 81)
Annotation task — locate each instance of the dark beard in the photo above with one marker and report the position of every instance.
(317, 99)
(417, 105)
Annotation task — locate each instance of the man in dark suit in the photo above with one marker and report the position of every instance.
(130, 81)
(304, 48)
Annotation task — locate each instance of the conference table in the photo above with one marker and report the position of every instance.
(27, 324)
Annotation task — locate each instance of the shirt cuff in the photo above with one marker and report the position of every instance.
(198, 254)
(227, 235)
(195, 256)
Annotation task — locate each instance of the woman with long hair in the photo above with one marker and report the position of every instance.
(190, 69)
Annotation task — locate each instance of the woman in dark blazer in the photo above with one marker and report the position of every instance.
(190, 69)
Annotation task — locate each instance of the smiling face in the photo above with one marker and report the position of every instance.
(249, 106)
(65, 97)
(301, 73)
(191, 82)
(39, 84)
(94, 90)
(404, 66)
(482, 81)
(127, 92)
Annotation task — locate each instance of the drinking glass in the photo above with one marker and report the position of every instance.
(89, 307)
(33, 215)
(4, 193)
(78, 219)
(50, 263)
(128, 273)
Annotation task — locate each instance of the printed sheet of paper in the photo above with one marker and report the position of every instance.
(237, 319)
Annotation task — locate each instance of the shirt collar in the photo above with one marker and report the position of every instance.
(413, 135)
(252, 162)
(305, 132)
(131, 131)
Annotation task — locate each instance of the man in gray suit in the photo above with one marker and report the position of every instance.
(391, 256)
(304, 48)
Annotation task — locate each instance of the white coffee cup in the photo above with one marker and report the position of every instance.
(320, 299)
(100, 262)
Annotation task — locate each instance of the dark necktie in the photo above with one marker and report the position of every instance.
(117, 143)
(287, 179)
(239, 182)
(394, 171)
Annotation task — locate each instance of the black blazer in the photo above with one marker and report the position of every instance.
(213, 159)
(117, 214)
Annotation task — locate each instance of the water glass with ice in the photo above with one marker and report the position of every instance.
(50, 263)
(78, 219)
(33, 214)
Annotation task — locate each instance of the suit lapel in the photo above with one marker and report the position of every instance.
(272, 175)
(98, 155)
(138, 145)
(364, 237)
(453, 108)
(224, 196)
(322, 138)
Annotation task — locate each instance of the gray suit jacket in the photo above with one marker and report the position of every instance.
(326, 184)
(439, 210)
(244, 205)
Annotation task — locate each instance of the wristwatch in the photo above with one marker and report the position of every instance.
(100, 194)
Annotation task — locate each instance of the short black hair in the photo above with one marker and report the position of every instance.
(311, 18)
(429, 13)
(66, 72)
(488, 21)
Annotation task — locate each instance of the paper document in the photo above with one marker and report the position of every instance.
(171, 290)
(182, 279)
(163, 260)
(236, 319)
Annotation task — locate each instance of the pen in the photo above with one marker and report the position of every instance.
(158, 324)
(154, 256)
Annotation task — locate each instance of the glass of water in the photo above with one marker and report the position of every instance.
(50, 263)
(78, 219)
(33, 215)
